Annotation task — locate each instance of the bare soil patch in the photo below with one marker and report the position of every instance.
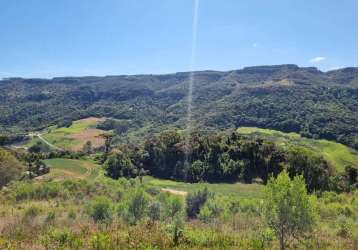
(173, 191)
(90, 134)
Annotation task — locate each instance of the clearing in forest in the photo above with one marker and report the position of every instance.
(75, 136)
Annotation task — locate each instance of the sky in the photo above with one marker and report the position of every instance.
(42, 38)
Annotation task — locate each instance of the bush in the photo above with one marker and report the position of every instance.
(175, 205)
(101, 241)
(210, 210)
(100, 209)
(250, 206)
(176, 229)
(61, 239)
(137, 206)
(263, 239)
(194, 202)
(154, 208)
(344, 226)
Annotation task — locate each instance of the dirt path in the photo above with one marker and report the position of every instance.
(46, 142)
(173, 191)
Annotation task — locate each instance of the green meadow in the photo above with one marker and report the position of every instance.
(337, 154)
(238, 190)
(70, 168)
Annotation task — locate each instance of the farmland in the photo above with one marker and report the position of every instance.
(75, 136)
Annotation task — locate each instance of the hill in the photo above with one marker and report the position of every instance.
(337, 154)
(283, 97)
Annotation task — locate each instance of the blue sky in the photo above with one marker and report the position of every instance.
(42, 38)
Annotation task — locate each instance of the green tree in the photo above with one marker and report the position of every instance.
(119, 165)
(33, 164)
(10, 168)
(87, 147)
(39, 147)
(288, 209)
(141, 173)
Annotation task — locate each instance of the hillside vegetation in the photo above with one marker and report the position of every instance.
(110, 164)
(337, 154)
(283, 97)
(104, 214)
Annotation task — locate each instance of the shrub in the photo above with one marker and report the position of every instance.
(210, 210)
(176, 229)
(100, 209)
(175, 205)
(137, 207)
(344, 227)
(154, 208)
(263, 239)
(61, 239)
(101, 241)
(194, 202)
(250, 206)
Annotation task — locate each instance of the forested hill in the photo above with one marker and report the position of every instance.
(284, 97)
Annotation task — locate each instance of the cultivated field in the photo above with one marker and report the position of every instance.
(74, 137)
(69, 168)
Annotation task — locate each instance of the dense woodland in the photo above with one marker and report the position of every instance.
(283, 97)
(224, 158)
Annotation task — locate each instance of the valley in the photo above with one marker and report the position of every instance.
(117, 167)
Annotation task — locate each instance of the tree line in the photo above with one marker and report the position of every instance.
(224, 158)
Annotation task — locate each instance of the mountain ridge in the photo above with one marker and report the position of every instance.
(283, 97)
(243, 69)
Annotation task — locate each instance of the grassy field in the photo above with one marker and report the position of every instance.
(87, 169)
(239, 190)
(69, 168)
(337, 154)
(74, 137)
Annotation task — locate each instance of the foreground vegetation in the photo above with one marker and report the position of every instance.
(124, 214)
(266, 190)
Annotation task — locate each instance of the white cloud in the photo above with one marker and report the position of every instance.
(255, 45)
(317, 59)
